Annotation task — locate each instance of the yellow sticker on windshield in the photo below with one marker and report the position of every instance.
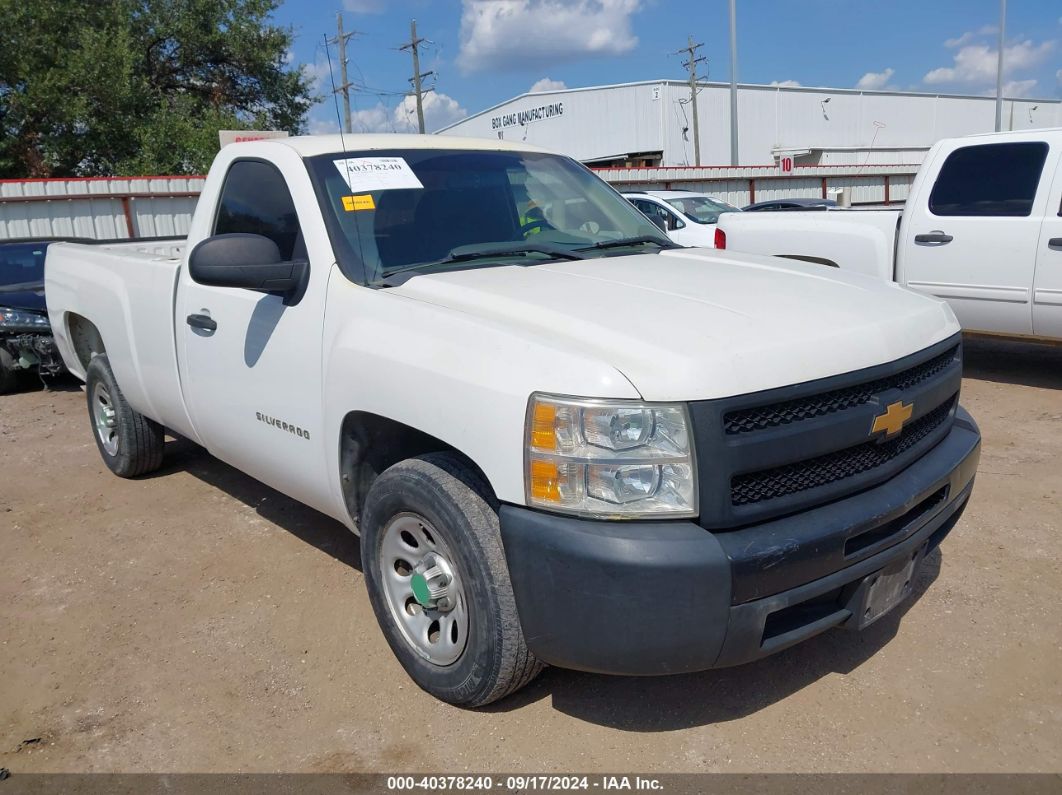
(354, 203)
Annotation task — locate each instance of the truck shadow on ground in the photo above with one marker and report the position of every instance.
(660, 704)
(303, 522)
(1012, 362)
(634, 704)
(32, 382)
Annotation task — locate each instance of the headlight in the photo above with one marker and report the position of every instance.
(17, 318)
(609, 458)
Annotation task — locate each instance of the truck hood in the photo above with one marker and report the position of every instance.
(691, 324)
(28, 296)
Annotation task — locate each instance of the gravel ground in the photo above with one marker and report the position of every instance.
(195, 620)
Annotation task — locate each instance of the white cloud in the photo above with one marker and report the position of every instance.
(1018, 88)
(439, 111)
(323, 126)
(515, 34)
(365, 6)
(970, 35)
(785, 83)
(1058, 74)
(958, 41)
(546, 84)
(875, 81)
(318, 76)
(975, 64)
(377, 119)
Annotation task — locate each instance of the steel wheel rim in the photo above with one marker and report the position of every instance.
(105, 418)
(437, 633)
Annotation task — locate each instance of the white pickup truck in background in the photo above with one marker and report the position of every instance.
(981, 228)
(562, 438)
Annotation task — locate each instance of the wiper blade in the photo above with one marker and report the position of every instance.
(464, 253)
(474, 252)
(630, 241)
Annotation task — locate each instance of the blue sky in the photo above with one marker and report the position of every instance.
(486, 51)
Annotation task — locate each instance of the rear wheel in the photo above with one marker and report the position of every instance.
(438, 581)
(129, 443)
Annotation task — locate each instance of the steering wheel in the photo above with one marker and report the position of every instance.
(536, 224)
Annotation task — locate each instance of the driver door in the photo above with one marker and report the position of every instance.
(251, 365)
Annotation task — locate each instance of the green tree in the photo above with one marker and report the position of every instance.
(101, 87)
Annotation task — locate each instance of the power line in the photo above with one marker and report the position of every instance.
(413, 45)
(691, 64)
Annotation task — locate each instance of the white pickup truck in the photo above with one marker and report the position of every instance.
(981, 228)
(562, 439)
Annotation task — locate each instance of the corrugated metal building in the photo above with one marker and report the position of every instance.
(98, 207)
(650, 123)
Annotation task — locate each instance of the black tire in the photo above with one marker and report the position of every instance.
(139, 440)
(447, 492)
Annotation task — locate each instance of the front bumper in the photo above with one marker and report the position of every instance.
(645, 598)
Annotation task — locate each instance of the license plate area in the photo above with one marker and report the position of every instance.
(880, 592)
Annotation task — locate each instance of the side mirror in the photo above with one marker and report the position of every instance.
(252, 262)
(659, 221)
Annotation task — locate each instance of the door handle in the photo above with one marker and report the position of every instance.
(1055, 242)
(936, 236)
(205, 322)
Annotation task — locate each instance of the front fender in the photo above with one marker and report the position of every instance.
(461, 379)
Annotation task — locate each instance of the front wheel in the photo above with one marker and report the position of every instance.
(438, 582)
(129, 443)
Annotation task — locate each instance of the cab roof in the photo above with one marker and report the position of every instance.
(312, 145)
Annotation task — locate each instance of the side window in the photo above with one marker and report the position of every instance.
(990, 179)
(256, 200)
(653, 211)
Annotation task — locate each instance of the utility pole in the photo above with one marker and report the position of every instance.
(413, 45)
(691, 65)
(733, 85)
(341, 43)
(999, 65)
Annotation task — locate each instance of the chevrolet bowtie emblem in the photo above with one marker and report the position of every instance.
(893, 419)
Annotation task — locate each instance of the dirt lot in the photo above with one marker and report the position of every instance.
(197, 621)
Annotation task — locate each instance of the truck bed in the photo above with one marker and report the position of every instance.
(127, 289)
(863, 241)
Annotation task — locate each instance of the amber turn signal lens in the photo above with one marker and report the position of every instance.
(545, 481)
(544, 427)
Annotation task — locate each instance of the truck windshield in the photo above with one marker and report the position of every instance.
(702, 209)
(415, 210)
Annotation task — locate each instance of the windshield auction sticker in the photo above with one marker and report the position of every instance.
(352, 204)
(364, 174)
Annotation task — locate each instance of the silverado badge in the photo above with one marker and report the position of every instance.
(892, 420)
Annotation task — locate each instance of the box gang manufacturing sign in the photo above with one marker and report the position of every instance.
(524, 117)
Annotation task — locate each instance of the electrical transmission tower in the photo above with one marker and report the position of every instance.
(414, 46)
(691, 51)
